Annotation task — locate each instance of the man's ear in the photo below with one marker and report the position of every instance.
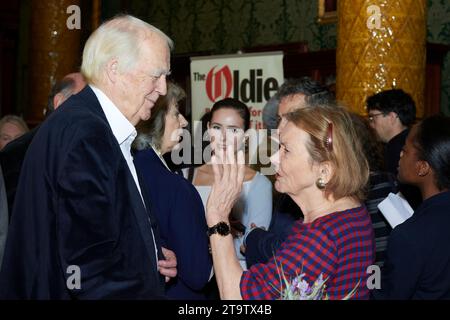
(422, 168)
(393, 117)
(112, 70)
(58, 99)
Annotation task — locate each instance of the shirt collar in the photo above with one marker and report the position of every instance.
(160, 156)
(120, 126)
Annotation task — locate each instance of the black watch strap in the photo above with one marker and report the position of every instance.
(222, 228)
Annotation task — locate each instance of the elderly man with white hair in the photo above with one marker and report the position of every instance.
(82, 226)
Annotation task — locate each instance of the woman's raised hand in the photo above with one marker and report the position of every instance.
(229, 170)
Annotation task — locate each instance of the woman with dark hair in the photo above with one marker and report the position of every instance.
(418, 256)
(174, 201)
(229, 120)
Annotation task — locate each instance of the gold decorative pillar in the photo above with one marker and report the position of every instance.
(54, 51)
(381, 45)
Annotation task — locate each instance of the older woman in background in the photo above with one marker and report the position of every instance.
(11, 127)
(321, 166)
(175, 202)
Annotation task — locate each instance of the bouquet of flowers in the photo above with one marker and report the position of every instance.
(299, 289)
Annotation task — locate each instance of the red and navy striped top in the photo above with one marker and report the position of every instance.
(340, 245)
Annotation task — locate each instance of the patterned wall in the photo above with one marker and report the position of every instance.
(225, 26)
(439, 32)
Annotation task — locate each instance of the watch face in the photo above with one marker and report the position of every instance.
(223, 229)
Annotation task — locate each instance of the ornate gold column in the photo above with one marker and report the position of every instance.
(381, 45)
(54, 51)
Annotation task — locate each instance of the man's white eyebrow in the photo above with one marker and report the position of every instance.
(161, 72)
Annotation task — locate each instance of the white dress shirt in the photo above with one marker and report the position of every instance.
(125, 134)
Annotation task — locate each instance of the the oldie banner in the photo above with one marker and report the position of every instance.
(252, 78)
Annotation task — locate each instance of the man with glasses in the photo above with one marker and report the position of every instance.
(391, 113)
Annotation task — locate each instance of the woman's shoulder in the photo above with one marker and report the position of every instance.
(144, 155)
(357, 211)
(343, 220)
(151, 167)
(310, 233)
(147, 161)
(203, 176)
(335, 227)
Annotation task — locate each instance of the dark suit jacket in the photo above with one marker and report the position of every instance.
(260, 244)
(181, 218)
(11, 159)
(3, 217)
(418, 256)
(78, 205)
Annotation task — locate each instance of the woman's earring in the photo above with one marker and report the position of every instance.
(321, 184)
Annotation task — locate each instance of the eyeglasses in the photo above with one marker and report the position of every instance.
(373, 115)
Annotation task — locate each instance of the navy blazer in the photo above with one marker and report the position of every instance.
(11, 159)
(261, 244)
(77, 205)
(418, 256)
(181, 217)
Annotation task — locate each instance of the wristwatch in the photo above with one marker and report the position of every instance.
(222, 228)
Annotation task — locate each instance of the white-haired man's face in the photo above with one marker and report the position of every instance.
(140, 87)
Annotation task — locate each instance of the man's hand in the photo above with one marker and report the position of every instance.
(168, 267)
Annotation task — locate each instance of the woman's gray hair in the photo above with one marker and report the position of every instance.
(151, 131)
(18, 121)
(120, 38)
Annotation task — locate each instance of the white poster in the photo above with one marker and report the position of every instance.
(252, 78)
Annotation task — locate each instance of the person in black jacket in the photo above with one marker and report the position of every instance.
(3, 216)
(418, 257)
(391, 113)
(13, 154)
(82, 225)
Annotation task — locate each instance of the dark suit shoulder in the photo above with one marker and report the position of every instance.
(19, 145)
(429, 221)
(76, 119)
(74, 115)
(148, 162)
